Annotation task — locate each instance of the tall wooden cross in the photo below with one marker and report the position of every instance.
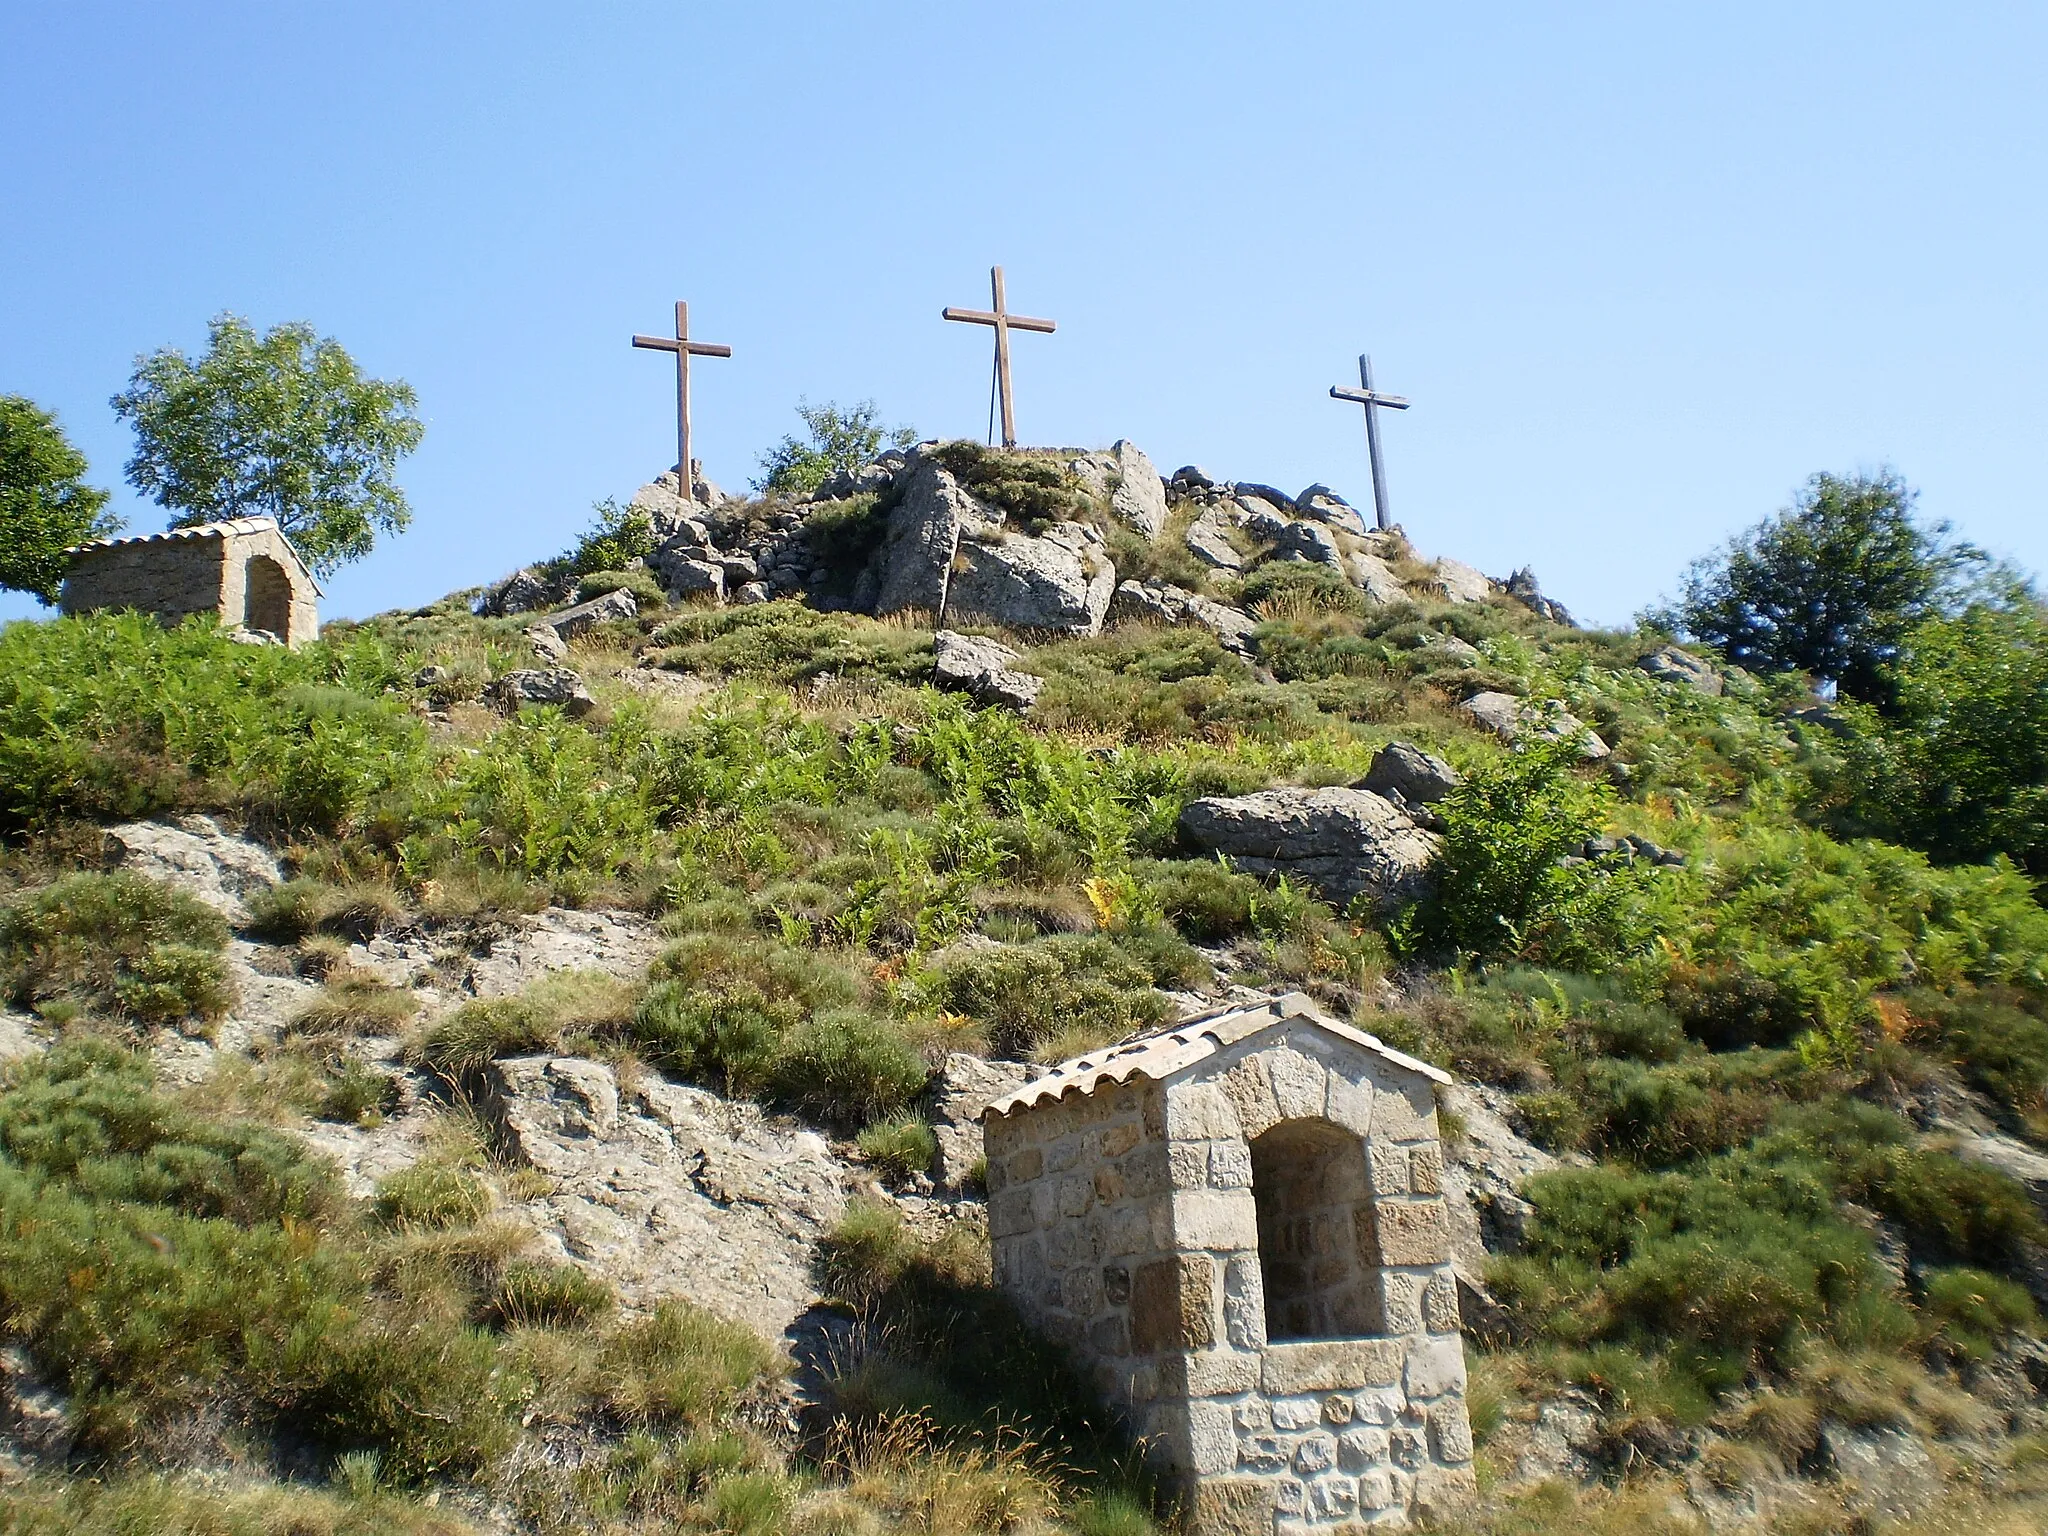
(1372, 400)
(684, 349)
(1003, 321)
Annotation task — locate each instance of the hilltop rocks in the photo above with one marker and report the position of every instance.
(983, 670)
(1375, 578)
(1136, 494)
(1209, 543)
(1346, 843)
(1062, 580)
(571, 622)
(524, 591)
(1523, 589)
(1511, 718)
(1164, 603)
(1670, 664)
(529, 685)
(1326, 506)
(925, 527)
(1462, 583)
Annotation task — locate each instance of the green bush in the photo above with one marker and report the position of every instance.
(118, 943)
(617, 536)
(903, 1145)
(1032, 487)
(482, 1031)
(647, 592)
(1503, 886)
(842, 1067)
(1974, 1312)
(727, 1038)
(1027, 996)
(1995, 1043)
(681, 1365)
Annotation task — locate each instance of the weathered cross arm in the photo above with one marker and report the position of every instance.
(670, 344)
(1368, 397)
(984, 317)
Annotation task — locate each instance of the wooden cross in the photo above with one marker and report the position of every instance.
(1372, 400)
(684, 349)
(1002, 320)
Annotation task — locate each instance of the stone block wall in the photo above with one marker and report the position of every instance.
(170, 578)
(1141, 1225)
(209, 571)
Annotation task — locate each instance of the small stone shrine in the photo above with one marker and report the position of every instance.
(1237, 1224)
(243, 571)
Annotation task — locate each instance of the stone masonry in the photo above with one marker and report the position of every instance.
(244, 572)
(1238, 1226)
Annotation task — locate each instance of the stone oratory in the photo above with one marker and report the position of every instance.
(1237, 1224)
(243, 571)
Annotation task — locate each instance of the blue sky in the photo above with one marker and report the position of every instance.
(1641, 268)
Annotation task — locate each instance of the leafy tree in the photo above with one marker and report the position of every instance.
(284, 425)
(1832, 585)
(1960, 766)
(839, 439)
(45, 504)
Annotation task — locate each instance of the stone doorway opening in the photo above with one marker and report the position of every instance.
(1318, 1245)
(267, 598)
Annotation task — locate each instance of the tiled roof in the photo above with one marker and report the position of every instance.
(226, 528)
(1169, 1052)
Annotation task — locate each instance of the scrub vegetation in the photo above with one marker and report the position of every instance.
(1760, 1227)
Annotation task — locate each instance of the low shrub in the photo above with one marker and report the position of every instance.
(352, 1005)
(902, 1145)
(844, 1066)
(1993, 1041)
(1974, 1312)
(681, 1365)
(647, 592)
(726, 1037)
(431, 1196)
(297, 908)
(1034, 488)
(119, 944)
(1062, 989)
(534, 1294)
(480, 1032)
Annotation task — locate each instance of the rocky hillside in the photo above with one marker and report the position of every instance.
(514, 1066)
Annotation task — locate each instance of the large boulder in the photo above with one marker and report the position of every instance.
(1209, 543)
(531, 685)
(1411, 779)
(1463, 583)
(1670, 664)
(983, 670)
(1326, 506)
(1346, 843)
(932, 515)
(1511, 718)
(686, 573)
(965, 1086)
(1290, 539)
(1164, 603)
(1375, 578)
(571, 622)
(1061, 580)
(1138, 499)
(524, 591)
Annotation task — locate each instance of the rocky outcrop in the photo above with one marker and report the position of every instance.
(1485, 1167)
(1511, 719)
(1671, 664)
(1288, 538)
(667, 1190)
(1061, 581)
(931, 516)
(984, 670)
(1523, 588)
(1326, 506)
(1375, 578)
(524, 591)
(530, 685)
(1208, 542)
(1161, 602)
(1345, 843)
(195, 855)
(1124, 477)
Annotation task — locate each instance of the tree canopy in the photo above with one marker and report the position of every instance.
(45, 504)
(840, 438)
(1831, 585)
(284, 425)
